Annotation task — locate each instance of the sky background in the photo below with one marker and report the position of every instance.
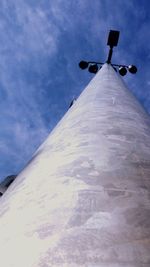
(41, 43)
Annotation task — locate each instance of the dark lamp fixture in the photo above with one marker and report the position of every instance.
(113, 38)
(93, 68)
(83, 65)
(122, 71)
(132, 69)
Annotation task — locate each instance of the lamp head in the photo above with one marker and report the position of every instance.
(113, 38)
(93, 68)
(132, 69)
(122, 71)
(83, 65)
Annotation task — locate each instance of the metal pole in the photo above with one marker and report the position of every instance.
(109, 55)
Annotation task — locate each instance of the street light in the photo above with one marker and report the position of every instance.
(113, 38)
(132, 69)
(112, 41)
(93, 68)
(83, 64)
(122, 71)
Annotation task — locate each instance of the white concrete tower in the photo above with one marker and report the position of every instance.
(84, 198)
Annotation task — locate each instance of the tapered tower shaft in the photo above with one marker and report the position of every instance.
(83, 200)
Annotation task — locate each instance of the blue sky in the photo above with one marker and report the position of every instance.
(41, 43)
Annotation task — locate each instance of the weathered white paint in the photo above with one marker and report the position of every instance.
(84, 198)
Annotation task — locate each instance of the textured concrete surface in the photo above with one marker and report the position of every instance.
(84, 198)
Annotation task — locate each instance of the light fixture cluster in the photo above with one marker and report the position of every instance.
(123, 69)
(93, 67)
